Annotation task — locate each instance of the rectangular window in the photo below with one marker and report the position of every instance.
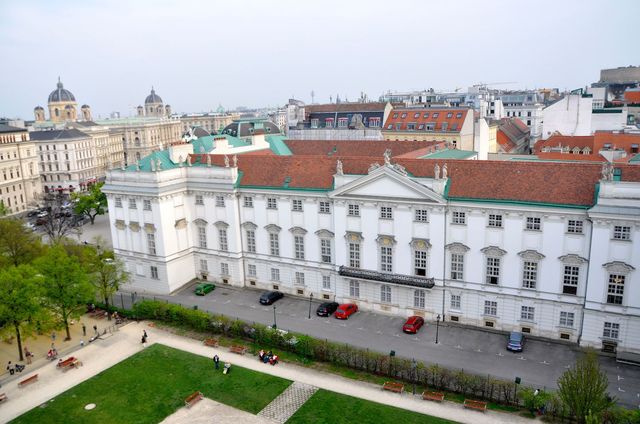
(343, 122)
(570, 279)
(132, 204)
(455, 301)
(272, 203)
(325, 207)
(248, 202)
(386, 212)
(199, 199)
(533, 224)
(621, 232)
(374, 122)
(146, 205)
(354, 255)
(326, 282)
(457, 266)
(204, 266)
(274, 244)
(275, 274)
(459, 218)
(615, 289)
(386, 259)
(222, 239)
(202, 237)
(325, 250)
(611, 330)
(220, 201)
(574, 226)
(385, 293)
(299, 278)
(354, 289)
(354, 210)
(296, 205)
(421, 215)
(493, 270)
(224, 268)
(251, 241)
(566, 319)
(151, 243)
(118, 202)
(529, 275)
(419, 299)
(314, 123)
(154, 272)
(251, 270)
(527, 313)
(420, 262)
(495, 221)
(328, 123)
(491, 308)
(298, 244)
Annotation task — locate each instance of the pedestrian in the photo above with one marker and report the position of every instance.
(53, 336)
(27, 355)
(216, 361)
(81, 342)
(95, 328)
(84, 329)
(10, 368)
(145, 333)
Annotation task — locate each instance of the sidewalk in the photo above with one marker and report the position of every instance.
(126, 342)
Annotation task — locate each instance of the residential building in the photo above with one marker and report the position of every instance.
(212, 122)
(512, 136)
(528, 107)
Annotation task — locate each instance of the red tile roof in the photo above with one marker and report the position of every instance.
(453, 117)
(565, 140)
(622, 141)
(344, 148)
(632, 95)
(512, 134)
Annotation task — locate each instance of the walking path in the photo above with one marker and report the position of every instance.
(103, 354)
(289, 401)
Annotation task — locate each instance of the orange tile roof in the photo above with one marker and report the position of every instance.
(623, 141)
(565, 140)
(454, 117)
(632, 95)
(341, 148)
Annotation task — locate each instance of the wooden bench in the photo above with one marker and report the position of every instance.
(436, 396)
(29, 380)
(69, 363)
(240, 350)
(210, 342)
(393, 387)
(3, 397)
(475, 404)
(192, 399)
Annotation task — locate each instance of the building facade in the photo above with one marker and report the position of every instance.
(211, 122)
(62, 107)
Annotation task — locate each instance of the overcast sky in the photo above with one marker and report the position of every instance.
(199, 54)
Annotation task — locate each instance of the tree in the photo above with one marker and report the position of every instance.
(67, 287)
(91, 203)
(583, 388)
(109, 273)
(20, 300)
(534, 399)
(60, 221)
(3, 209)
(18, 245)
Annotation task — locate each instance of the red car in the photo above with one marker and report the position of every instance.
(345, 310)
(413, 324)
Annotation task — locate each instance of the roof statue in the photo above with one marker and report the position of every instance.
(373, 167)
(387, 157)
(444, 171)
(235, 161)
(188, 161)
(436, 171)
(607, 172)
(226, 161)
(339, 169)
(399, 168)
(137, 165)
(180, 161)
(152, 163)
(158, 165)
(208, 160)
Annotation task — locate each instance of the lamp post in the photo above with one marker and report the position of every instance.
(310, 299)
(414, 369)
(437, 327)
(275, 326)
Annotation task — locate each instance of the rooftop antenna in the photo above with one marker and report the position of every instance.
(312, 96)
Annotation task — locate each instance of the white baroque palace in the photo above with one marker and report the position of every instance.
(550, 249)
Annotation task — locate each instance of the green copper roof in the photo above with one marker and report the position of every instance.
(278, 146)
(450, 154)
(635, 159)
(206, 144)
(145, 162)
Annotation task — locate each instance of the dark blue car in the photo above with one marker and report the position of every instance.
(516, 342)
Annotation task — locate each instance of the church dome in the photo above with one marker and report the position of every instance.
(153, 98)
(38, 108)
(60, 94)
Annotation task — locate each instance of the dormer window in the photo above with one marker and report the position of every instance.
(435, 115)
(404, 115)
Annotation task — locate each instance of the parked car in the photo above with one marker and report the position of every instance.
(516, 341)
(327, 308)
(267, 298)
(204, 288)
(413, 324)
(345, 310)
(42, 220)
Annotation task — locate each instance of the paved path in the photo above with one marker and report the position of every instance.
(126, 342)
(289, 401)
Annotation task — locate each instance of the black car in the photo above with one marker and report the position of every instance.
(327, 308)
(269, 297)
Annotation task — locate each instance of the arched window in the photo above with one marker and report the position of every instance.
(57, 112)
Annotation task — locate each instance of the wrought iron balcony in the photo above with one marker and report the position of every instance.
(404, 280)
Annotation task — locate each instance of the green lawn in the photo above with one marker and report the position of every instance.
(153, 384)
(334, 408)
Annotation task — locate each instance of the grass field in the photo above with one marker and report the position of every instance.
(329, 407)
(153, 384)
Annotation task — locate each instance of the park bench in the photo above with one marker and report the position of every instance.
(436, 396)
(475, 404)
(393, 387)
(192, 399)
(71, 362)
(29, 380)
(240, 350)
(211, 342)
(3, 397)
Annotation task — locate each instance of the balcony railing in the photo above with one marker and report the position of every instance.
(404, 280)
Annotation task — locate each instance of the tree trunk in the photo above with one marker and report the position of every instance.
(106, 304)
(92, 218)
(17, 326)
(66, 327)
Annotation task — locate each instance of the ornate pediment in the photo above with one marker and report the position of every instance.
(249, 226)
(420, 244)
(572, 259)
(180, 224)
(324, 233)
(494, 251)
(134, 226)
(531, 255)
(272, 228)
(299, 231)
(457, 247)
(149, 228)
(353, 237)
(618, 267)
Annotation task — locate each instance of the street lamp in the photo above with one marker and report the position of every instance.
(310, 299)
(437, 327)
(275, 326)
(414, 368)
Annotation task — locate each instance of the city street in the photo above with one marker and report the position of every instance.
(473, 350)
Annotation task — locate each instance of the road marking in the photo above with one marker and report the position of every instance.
(478, 350)
(228, 301)
(360, 328)
(522, 358)
(620, 378)
(620, 390)
(396, 335)
(500, 354)
(458, 347)
(343, 325)
(416, 339)
(545, 363)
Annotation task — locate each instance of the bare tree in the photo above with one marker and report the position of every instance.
(60, 221)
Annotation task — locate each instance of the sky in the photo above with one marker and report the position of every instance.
(201, 54)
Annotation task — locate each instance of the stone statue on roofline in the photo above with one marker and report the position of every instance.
(137, 165)
(373, 167)
(607, 171)
(152, 164)
(339, 169)
(436, 172)
(208, 160)
(387, 157)
(158, 165)
(226, 161)
(444, 171)
(188, 160)
(401, 169)
(180, 161)
(235, 161)
(201, 149)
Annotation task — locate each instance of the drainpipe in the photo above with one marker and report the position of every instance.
(586, 284)
(239, 238)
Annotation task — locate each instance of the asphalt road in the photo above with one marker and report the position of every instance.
(476, 351)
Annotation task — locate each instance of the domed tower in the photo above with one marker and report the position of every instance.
(167, 110)
(140, 110)
(86, 113)
(62, 104)
(38, 112)
(153, 104)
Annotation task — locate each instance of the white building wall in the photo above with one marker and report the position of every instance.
(570, 115)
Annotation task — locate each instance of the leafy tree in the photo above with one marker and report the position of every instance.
(67, 286)
(583, 388)
(532, 399)
(109, 273)
(3, 209)
(20, 300)
(91, 203)
(18, 245)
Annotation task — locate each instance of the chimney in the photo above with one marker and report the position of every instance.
(179, 150)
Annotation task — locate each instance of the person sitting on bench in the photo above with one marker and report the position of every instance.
(261, 354)
(273, 360)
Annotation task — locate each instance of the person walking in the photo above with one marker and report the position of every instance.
(11, 368)
(27, 355)
(84, 329)
(53, 336)
(95, 328)
(216, 361)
